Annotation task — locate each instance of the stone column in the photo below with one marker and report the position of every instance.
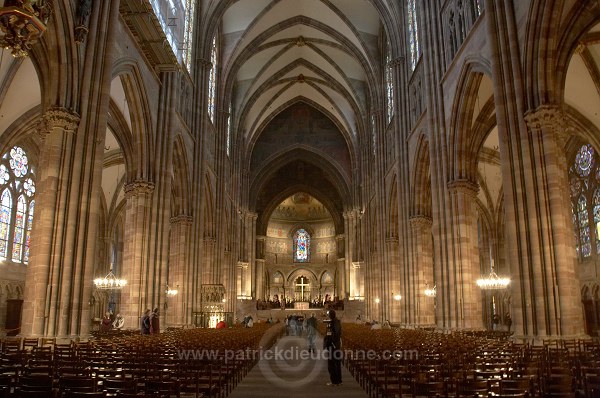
(545, 283)
(47, 300)
(179, 311)
(260, 267)
(244, 280)
(209, 262)
(251, 255)
(464, 307)
(134, 296)
(421, 273)
(395, 310)
(341, 283)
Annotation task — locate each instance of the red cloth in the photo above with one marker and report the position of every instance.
(221, 325)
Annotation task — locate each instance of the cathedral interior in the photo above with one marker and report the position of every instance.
(219, 158)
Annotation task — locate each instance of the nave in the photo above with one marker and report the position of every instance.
(232, 362)
(296, 377)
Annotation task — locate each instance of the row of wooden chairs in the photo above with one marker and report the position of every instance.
(464, 364)
(190, 363)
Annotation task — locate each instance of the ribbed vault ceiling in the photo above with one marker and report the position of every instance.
(281, 50)
(282, 56)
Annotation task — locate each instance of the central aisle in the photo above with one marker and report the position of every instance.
(287, 370)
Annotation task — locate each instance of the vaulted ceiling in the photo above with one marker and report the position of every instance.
(279, 55)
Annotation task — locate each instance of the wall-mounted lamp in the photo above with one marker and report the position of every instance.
(397, 297)
(377, 300)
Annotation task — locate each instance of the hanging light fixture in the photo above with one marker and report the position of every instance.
(23, 22)
(171, 292)
(430, 292)
(493, 281)
(110, 281)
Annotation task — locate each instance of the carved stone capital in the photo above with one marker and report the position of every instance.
(210, 241)
(57, 117)
(546, 117)
(391, 241)
(463, 186)
(420, 221)
(204, 63)
(251, 216)
(138, 187)
(549, 118)
(396, 62)
(182, 219)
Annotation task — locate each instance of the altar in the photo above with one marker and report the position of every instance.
(301, 305)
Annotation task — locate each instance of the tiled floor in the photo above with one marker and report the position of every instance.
(288, 370)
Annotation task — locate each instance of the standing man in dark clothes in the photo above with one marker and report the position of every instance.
(333, 344)
(154, 322)
(145, 322)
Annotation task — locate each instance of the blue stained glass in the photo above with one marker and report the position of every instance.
(584, 229)
(29, 187)
(28, 232)
(575, 186)
(19, 227)
(584, 160)
(5, 212)
(18, 161)
(301, 246)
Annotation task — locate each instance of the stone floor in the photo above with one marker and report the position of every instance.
(288, 370)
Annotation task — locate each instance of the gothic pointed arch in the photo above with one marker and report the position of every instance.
(421, 192)
(466, 137)
(128, 72)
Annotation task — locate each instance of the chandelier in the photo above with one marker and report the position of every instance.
(430, 292)
(493, 281)
(22, 22)
(171, 292)
(110, 281)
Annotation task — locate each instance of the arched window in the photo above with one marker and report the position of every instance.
(413, 33)
(301, 246)
(188, 39)
(16, 217)
(389, 84)
(212, 80)
(228, 130)
(584, 177)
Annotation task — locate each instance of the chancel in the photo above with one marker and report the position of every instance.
(429, 170)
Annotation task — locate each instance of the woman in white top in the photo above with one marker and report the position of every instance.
(119, 322)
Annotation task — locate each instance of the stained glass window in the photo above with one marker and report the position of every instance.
(413, 33)
(373, 135)
(186, 49)
(228, 130)
(176, 18)
(597, 218)
(584, 179)
(389, 84)
(301, 246)
(28, 232)
(212, 80)
(16, 219)
(5, 216)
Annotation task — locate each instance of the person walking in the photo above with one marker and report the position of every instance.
(333, 344)
(145, 322)
(154, 322)
(311, 332)
(119, 322)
